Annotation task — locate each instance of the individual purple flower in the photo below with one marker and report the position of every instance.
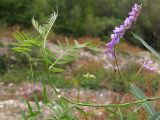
(148, 64)
(119, 32)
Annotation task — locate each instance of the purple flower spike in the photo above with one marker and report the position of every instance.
(120, 31)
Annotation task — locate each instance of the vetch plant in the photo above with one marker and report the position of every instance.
(61, 107)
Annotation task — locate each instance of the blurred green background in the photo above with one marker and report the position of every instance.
(76, 18)
(93, 18)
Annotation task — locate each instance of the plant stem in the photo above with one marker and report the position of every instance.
(140, 69)
(126, 87)
(120, 113)
(112, 105)
(116, 61)
(48, 73)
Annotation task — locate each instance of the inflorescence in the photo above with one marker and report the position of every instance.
(119, 32)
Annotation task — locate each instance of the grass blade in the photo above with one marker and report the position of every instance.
(156, 116)
(36, 101)
(45, 97)
(30, 108)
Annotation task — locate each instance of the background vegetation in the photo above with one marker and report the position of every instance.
(83, 20)
(87, 17)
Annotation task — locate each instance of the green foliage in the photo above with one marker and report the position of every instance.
(25, 44)
(68, 54)
(93, 80)
(36, 101)
(140, 95)
(16, 76)
(156, 116)
(45, 97)
(45, 29)
(56, 70)
(90, 17)
(61, 110)
(62, 107)
(20, 12)
(23, 115)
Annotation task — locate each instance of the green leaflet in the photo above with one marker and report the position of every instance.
(61, 110)
(30, 108)
(140, 95)
(45, 97)
(156, 116)
(36, 101)
(56, 70)
(21, 49)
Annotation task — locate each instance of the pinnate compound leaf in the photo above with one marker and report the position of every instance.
(68, 54)
(45, 28)
(25, 44)
(140, 95)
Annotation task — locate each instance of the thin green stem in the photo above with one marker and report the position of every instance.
(140, 69)
(78, 95)
(112, 105)
(49, 80)
(52, 85)
(47, 70)
(122, 105)
(116, 62)
(59, 58)
(120, 113)
(137, 74)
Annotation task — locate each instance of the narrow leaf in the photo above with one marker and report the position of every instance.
(45, 97)
(156, 116)
(56, 70)
(140, 95)
(21, 49)
(146, 45)
(29, 108)
(36, 101)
